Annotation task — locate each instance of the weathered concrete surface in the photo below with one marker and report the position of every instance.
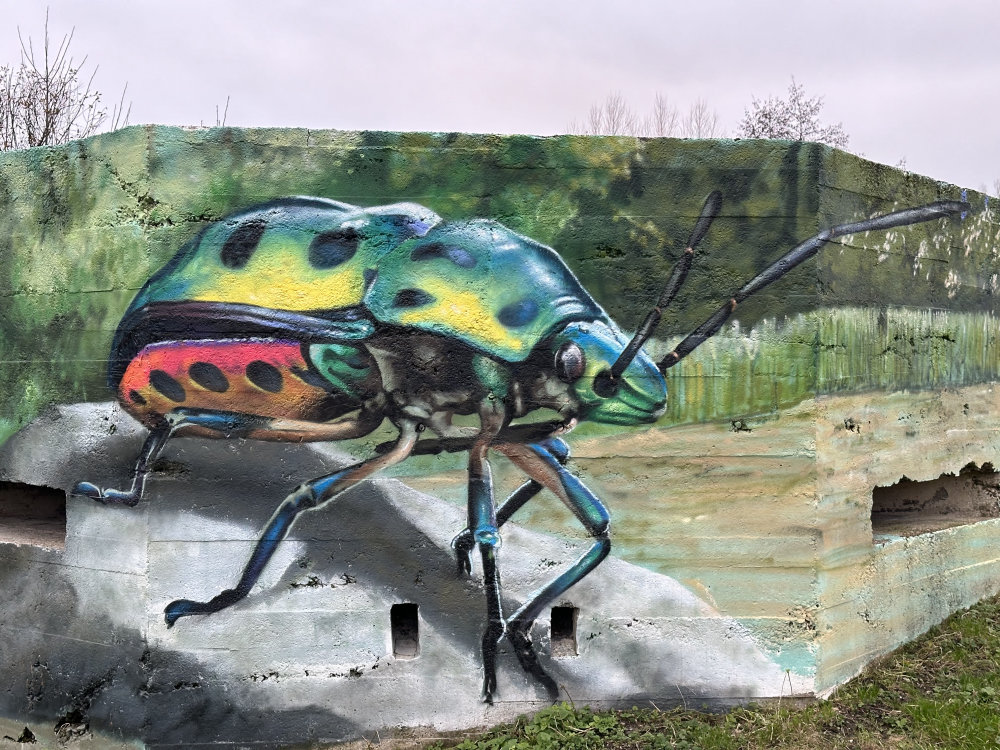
(878, 592)
(307, 656)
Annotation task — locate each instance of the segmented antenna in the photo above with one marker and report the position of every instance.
(799, 253)
(680, 271)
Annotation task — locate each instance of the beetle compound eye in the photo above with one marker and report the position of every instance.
(570, 362)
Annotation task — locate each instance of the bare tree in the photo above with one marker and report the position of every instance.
(47, 99)
(662, 121)
(794, 118)
(614, 116)
(700, 121)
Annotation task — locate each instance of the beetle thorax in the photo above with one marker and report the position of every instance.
(428, 378)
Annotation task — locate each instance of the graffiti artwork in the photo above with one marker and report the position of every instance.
(307, 319)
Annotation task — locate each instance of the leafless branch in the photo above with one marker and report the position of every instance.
(47, 98)
(662, 121)
(795, 118)
(700, 121)
(614, 116)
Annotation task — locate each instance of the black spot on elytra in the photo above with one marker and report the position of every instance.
(457, 255)
(412, 298)
(330, 249)
(240, 245)
(265, 376)
(518, 313)
(166, 385)
(136, 397)
(208, 376)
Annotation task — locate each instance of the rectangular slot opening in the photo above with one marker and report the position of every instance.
(32, 514)
(405, 631)
(562, 631)
(909, 508)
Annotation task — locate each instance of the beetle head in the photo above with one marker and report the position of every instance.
(583, 356)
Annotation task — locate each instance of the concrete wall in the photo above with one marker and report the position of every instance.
(744, 559)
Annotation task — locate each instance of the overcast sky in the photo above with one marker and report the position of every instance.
(917, 80)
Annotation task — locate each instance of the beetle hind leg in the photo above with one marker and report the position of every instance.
(177, 421)
(154, 444)
(544, 463)
(464, 542)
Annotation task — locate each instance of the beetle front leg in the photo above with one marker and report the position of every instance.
(307, 496)
(483, 523)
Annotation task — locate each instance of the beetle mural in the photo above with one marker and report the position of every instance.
(307, 319)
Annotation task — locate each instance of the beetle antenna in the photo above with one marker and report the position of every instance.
(799, 253)
(708, 212)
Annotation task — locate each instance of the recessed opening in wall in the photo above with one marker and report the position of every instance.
(405, 631)
(562, 631)
(32, 514)
(909, 508)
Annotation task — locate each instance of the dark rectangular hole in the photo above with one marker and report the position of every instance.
(405, 631)
(909, 508)
(32, 514)
(562, 631)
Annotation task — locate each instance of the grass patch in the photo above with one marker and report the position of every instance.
(940, 691)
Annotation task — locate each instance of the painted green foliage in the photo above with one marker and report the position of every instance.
(84, 225)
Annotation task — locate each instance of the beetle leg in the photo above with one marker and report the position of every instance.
(483, 525)
(208, 423)
(308, 496)
(464, 542)
(155, 441)
(482, 521)
(545, 466)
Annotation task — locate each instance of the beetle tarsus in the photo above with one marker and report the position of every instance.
(183, 607)
(525, 652)
(463, 544)
(106, 497)
(86, 489)
(491, 639)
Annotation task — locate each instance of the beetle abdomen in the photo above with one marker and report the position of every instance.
(264, 377)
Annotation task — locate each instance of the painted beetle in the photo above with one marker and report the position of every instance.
(309, 319)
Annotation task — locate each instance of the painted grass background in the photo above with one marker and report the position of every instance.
(779, 363)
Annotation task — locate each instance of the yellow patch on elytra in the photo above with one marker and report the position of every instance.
(465, 313)
(280, 277)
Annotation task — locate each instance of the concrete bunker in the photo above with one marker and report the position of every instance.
(742, 559)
